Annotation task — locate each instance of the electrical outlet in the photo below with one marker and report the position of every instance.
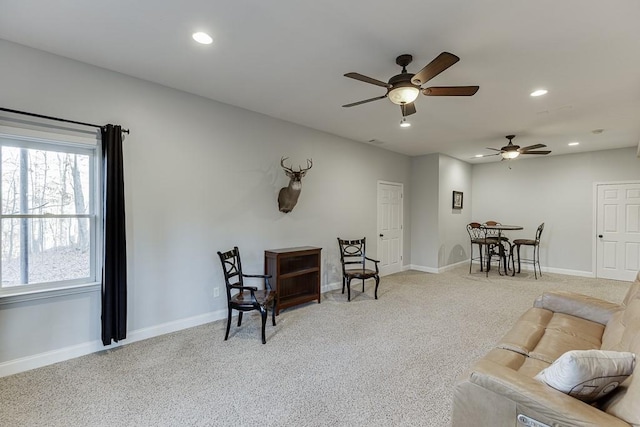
(216, 292)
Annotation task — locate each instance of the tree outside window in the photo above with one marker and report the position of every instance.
(48, 219)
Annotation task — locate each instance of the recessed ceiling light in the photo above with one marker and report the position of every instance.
(539, 92)
(574, 143)
(202, 38)
(479, 155)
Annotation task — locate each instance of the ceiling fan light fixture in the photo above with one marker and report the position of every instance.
(404, 123)
(404, 94)
(539, 92)
(508, 155)
(202, 38)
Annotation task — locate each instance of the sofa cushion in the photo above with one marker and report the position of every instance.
(544, 335)
(554, 344)
(516, 361)
(588, 375)
(577, 327)
(531, 367)
(527, 331)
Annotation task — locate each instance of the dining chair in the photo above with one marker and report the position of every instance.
(497, 244)
(495, 233)
(535, 243)
(476, 237)
(353, 259)
(245, 298)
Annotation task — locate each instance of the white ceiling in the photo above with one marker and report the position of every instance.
(286, 59)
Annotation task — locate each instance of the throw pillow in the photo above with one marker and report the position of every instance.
(588, 374)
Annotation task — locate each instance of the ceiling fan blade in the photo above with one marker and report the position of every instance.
(365, 101)
(366, 79)
(408, 109)
(435, 67)
(451, 90)
(535, 152)
(494, 149)
(532, 147)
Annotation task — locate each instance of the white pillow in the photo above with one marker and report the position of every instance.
(588, 374)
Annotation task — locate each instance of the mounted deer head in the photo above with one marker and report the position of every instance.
(288, 196)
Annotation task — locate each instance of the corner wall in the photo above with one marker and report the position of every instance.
(455, 175)
(439, 236)
(424, 212)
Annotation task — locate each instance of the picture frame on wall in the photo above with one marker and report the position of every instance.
(457, 200)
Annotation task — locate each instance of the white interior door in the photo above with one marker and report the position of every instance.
(390, 227)
(618, 231)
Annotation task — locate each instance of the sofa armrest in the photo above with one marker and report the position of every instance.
(579, 305)
(556, 407)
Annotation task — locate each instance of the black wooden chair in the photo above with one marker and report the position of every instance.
(248, 298)
(535, 243)
(353, 258)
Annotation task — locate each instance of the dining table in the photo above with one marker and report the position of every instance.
(500, 228)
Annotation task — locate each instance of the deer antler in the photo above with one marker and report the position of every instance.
(283, 166)
(301, 169)
(309, 164)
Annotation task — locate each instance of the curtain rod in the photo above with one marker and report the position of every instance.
(54, 118)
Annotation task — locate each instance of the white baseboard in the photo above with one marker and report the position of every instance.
(423, 268)
(43, 359)
(452, 266)
(438, 269)
(331, 287)
(578, 273)
(527, 267)
(564, 271)
(177, 325)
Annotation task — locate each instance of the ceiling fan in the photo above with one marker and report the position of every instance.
(511, 151)
(404, 88)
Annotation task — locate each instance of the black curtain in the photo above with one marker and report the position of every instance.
(114, 268)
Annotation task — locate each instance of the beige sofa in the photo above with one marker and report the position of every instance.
(500, 389)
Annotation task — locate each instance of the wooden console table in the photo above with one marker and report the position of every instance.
(296, 275)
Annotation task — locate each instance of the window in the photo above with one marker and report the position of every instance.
(49, 228)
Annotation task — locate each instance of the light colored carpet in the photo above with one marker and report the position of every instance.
(390, 362)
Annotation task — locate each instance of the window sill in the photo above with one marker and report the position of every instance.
(30, 295)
